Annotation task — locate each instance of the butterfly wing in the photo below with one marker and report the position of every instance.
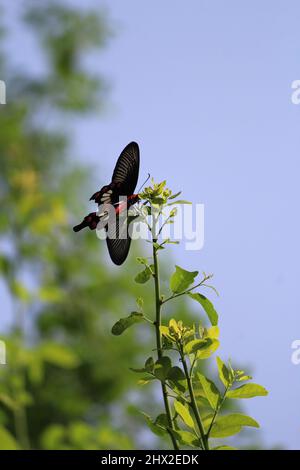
(125, 178)
(126, 171)
(118, 240)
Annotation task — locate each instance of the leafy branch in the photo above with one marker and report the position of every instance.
(193, 403)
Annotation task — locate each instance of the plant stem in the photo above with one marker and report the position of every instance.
(204, 438)
(159, 342)
(174, 296)
(220, 404)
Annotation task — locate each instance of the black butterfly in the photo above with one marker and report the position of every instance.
(123, 183)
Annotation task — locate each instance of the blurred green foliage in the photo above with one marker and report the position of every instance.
(67, 383)
(65, 376)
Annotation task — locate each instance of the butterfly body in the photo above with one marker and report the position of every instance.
(119, 195)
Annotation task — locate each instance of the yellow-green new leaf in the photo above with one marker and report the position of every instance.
(211, 392)
(248, 391)
(207, 352)
(224, 373)
(164, 331)
(173, 326)
(184, 414)
(213, 332)
(194, 346)
(229, 425)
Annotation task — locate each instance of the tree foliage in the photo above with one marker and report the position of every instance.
(63, 371)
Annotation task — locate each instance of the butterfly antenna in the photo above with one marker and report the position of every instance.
(144, 182)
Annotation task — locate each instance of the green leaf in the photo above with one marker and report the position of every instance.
(248, 391)
(176, 374)
(124, 323)
(149, 364)
(7, 441)
(211, 392)
(192, 347)
(162, 368)
(243, 378)
(184, 414)
(145, 380)
(138, 371)
(229, 425)
(181, 279)
(240, 376)
(209, 350)
(177, 378)
(224, 448)
(173, 196)
(200, 394)
(203, 348)
(213, 332)
(155, 428)
(207, 307)
(143, 276)
(172, 214)
(224, 374)
(162, 420)
(180, 201)
(186, 438)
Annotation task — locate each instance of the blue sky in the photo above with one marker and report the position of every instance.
(205, 88)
